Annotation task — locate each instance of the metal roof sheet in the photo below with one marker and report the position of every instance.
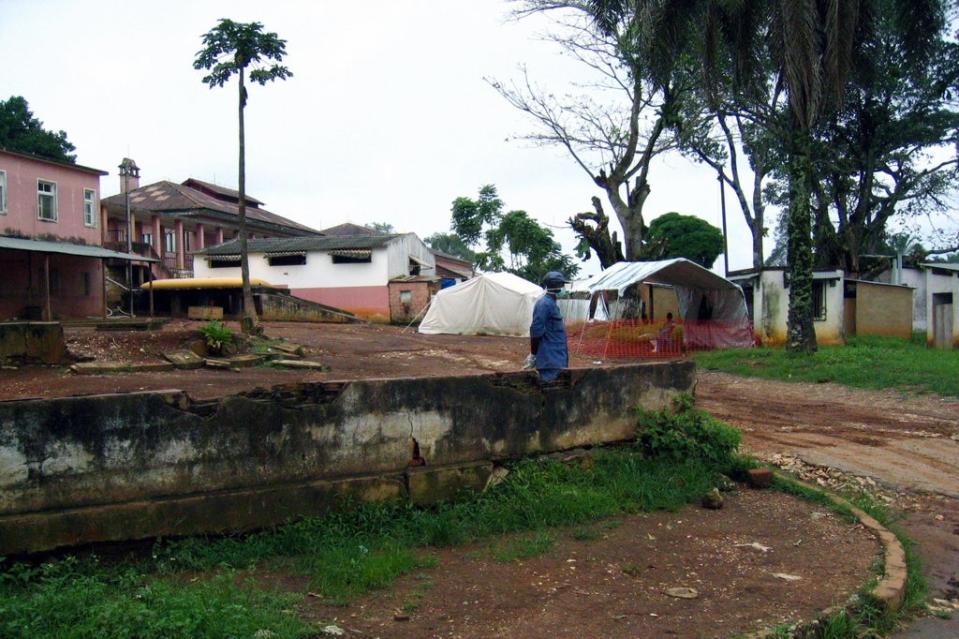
(67, 248)
(318, 243)
(677, 272)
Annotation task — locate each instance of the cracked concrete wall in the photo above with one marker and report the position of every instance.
(80, 469)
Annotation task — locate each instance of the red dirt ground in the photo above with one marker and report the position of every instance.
(614, 586)
(352, 351)
(907, 442)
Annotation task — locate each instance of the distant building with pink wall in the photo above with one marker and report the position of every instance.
(51, 256)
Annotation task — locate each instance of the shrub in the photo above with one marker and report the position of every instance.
(216, 335)
(685, 432)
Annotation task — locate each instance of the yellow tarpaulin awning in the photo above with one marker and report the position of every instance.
(204, 283)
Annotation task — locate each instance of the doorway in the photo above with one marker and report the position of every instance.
(942, 320)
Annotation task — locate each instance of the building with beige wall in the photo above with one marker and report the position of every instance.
(841, 306)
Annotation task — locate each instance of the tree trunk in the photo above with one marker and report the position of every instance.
(248, 323)
(630, 216)
(801, 336)
(605, 245)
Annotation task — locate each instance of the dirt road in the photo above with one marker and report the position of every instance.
(908, 443)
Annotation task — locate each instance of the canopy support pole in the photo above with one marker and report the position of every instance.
(47, 310)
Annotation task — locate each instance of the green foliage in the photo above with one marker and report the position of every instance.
(20, 131)
(471, 216)
(675, 235)
(70, 599)
(864, 362)
(685, 433)
(529, 247)
(230, 47)
(216, 335)
(452, 244)
(525, 546)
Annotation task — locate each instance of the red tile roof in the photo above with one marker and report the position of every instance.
(169, 196)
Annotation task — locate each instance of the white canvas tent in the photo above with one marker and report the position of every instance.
(488, 304)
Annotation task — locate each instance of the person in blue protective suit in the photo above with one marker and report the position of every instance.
(547, 335)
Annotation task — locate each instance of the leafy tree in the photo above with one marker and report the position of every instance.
(229, 49)
(471, 216)
(811, 45)
(872, 158)
(451, 244)
(529, 247)
(381, 227)
(675, 235)
(21, 132)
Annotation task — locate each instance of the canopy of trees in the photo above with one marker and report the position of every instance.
(842, 110)
(675, 235)
(20, 131)
(512, 242)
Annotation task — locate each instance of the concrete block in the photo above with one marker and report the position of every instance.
(184, 359)
(303, 364)
(760, 477)
(205, 313)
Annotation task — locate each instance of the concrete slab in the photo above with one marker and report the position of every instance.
(100, 368)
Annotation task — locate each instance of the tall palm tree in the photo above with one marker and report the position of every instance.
(229, 49)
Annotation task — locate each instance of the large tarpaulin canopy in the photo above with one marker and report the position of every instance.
(698, 291)
(488, 304)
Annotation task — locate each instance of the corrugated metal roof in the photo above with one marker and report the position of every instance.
(283, 244)
(678, 271)
(168, 196)
(67, 248)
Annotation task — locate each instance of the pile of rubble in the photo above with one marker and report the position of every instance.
(843, 483)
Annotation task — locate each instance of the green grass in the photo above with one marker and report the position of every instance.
(202, 587)
(77, 600)
(524, 547)
(864, 362)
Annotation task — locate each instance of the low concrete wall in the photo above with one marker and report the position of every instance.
(32, 343)
(118, 467)
(288, 308)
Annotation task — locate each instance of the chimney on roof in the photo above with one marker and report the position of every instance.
(129, 175)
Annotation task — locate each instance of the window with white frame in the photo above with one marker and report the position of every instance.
(89, 207)
(3, 192)
(47, 200)
(169, 242)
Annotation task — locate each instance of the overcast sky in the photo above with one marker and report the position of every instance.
(387, 118)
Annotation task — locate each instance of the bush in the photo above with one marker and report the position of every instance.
(216, 335)
(685, 432)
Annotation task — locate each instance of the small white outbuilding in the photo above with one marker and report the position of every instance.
(488, 304)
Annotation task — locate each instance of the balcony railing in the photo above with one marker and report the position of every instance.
(139, 248)
(169, 263)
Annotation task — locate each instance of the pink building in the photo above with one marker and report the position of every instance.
(170, 221)
(50, 249)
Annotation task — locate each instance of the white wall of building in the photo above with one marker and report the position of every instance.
(388, 262)
(771, 306)
(941, 283)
